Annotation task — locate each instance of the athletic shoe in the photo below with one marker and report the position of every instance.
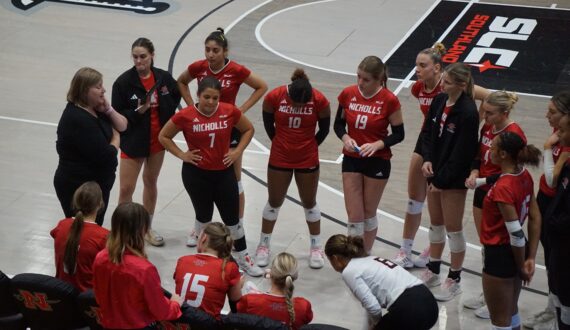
(430, 279)
(550, 325)
(192, 239)
(246, 264)
(403, 260)
(539, 318)
(262, 256)
(483, 312)
(422, 260)
(474, 302)
(153, 238)
(449, 289)
(316, 258)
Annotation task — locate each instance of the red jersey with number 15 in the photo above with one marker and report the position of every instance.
(231, 76)
(512, 189)
(199, 281)
(487, 168)
(209, 134)
(367, 118)
(294, 144)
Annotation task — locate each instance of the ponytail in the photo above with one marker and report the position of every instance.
(518, 150)
(283, 274)
(345, 246)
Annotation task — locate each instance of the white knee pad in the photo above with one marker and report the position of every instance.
(271, 213)
(414, 207)
(565, 314)
(236, 231)
(240, 187)
(371, 223)
(436, 234)
(313, 214)
(515, 320)
(457, 241)
(355, 228)
(494, 327)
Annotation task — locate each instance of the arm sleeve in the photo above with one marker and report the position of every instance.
(172, 86)
(361, 290)
(161, 307)
(269, 124)
(324, 127)
(396, 137)
(549, 167)
(340, 123)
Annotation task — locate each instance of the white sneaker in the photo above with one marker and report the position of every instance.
(153, 238)
(403, 260)
(474, 302)
(422, 260)
(538, 318)
(448, 290)
(192, 239)
(246, 264)
(316, 258)
(262, 256)
(550, 325)
(483, 312)
(430, 279)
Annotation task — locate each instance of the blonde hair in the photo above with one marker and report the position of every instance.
(220, 240)
(129, 224)
(283, 273)
(461, 74)
(435, 53)
(83, 79)
(503, 100)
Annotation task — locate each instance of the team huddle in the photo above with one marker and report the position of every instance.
(452, 155)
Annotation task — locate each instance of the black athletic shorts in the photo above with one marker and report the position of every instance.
(407, 313)
(479, 196)
(372, 167)
(298, 170)
(499, 261)
(235, 137)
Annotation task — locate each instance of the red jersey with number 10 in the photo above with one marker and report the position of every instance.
(294, 144)
(199, 280)
(209, 134)
(231, 76)
(367, 118)
(487, 168)
(512, 189)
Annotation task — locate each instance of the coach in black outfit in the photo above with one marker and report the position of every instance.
(87, 140)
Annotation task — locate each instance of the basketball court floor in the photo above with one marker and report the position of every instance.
(518, 45)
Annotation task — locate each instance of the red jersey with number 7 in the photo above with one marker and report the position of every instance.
(367, 118)
(199, 281)
(210, 134)
(231, 76)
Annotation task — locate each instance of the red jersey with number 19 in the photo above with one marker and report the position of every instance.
(209, 134)
(367, 118)
(199, 280)
(512, 189)
(231, 76)
(294, 144)
(487, 167)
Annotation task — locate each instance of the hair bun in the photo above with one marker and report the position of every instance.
(220, 30)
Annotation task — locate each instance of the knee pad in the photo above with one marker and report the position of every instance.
(371, 223)
(457, 241)
(240, 187)
(271, 213)
(515, 320)
(355, 228)
(494, 327)
(565, 314)
(236, 231)
(313, 214)
(414, 207)
(436, 234)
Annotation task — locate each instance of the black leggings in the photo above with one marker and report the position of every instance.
(415, 308)
(543, 202)
(207, 187)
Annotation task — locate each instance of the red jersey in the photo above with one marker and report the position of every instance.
(155, 145)
(487, 167)
(557, 149)
(93, 239)
(367, 118)
(513, 189)
(199, 280)
(294, 144)
(129, 294)
(424, 97)
(275, 307)
(231, 76)
(209, 134)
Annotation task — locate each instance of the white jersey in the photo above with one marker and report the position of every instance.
(377, 282)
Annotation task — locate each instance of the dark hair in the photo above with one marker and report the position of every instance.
(129, 224)
(461, 74)
(561, 101)
(345, 246)
(435, 53)
(146, 44)
(209, 82)
(518, 150)
(300, 89)
(87, 199)
(374, 66)
(219, 38)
